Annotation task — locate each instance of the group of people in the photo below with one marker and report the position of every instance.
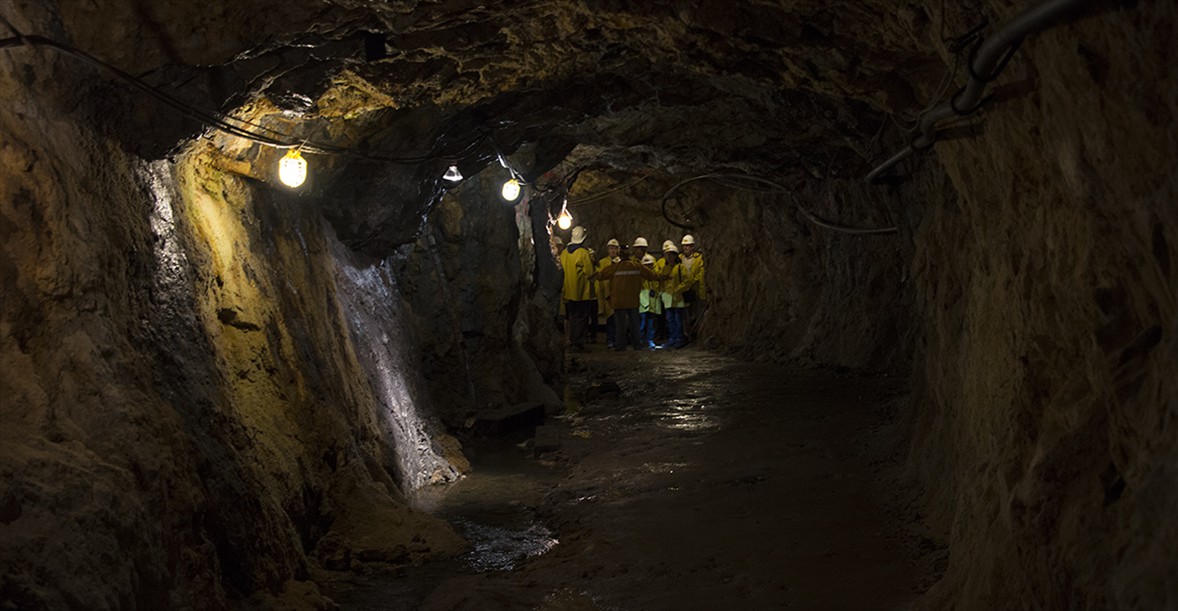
(644, 299)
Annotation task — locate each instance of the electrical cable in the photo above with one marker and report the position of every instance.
(732, 181)
(987, 59)
(233, 125)
(597, 196)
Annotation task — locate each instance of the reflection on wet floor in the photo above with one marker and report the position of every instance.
(501, 549)
(688, 415)
(652, 485)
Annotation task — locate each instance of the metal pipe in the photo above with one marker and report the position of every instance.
(983, 68)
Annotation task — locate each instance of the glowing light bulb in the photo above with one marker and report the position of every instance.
(565, 220)
(452, 174)
(292, 169)
(511, 190)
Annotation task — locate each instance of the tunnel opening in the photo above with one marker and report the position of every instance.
(275, 321)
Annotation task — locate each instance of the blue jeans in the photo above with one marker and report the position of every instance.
(649, 327)
(626, 328)
(675, 337)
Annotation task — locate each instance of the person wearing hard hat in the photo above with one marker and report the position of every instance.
(696, 294)
(578, 291)
(660, 266)
(626, 276)
(591, 329)
(678, 280)
(613, 247)
(638, 249)
(650, 304)
(556, 246)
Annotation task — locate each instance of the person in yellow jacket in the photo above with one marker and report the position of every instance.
(613, 247)
(578, 287)
(650, 305)
(696, 295)
(626, 278)
(678, 280)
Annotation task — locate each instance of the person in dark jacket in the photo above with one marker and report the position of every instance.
(626, 287)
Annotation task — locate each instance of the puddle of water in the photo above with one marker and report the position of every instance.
(492, 508)
(501, 549)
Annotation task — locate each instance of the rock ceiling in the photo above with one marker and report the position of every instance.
(751, 86)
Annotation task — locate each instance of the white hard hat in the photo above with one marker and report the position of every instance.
(688, 239)
(639, 242)
(648, 259)
(613, 242)
(670, 247)
(578, 235)
(556, 240)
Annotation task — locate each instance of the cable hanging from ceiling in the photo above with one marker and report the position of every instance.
(764, 185)
(986, 62)
(596, 196)
(248, 130)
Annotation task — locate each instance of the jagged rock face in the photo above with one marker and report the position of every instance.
(489, 332)
(1029, 287)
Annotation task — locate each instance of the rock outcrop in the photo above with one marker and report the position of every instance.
(210, 385)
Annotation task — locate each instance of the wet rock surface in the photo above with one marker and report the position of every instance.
(708, 482)
(180, 383)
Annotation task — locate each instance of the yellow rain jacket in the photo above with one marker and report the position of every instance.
(603, 305)
(694, 267)
(678, 281)
(578, 273)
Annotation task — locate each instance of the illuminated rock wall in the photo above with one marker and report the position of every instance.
(486, 321)
(192, 384)
(204, 396)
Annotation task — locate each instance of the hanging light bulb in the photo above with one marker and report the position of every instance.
(292, 169)
(452, 174)
(565, 220)
(510, 190)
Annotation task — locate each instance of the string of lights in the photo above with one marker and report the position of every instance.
(292, 166)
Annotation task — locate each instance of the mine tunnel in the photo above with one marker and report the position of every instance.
(283, 320)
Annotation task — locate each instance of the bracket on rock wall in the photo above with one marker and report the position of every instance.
(986, 62)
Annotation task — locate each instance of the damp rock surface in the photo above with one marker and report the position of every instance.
(707, 482)
(205, 378)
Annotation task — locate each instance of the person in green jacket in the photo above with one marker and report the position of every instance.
(650, 304)
(578, 287)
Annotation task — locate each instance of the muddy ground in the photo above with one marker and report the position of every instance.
(683, 480)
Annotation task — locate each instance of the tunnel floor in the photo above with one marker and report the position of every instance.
(683, 480)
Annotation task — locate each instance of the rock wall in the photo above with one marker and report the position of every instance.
(485, 320)
(1045, 376)
(197, 407)
(1030, 292)
(205, 396)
